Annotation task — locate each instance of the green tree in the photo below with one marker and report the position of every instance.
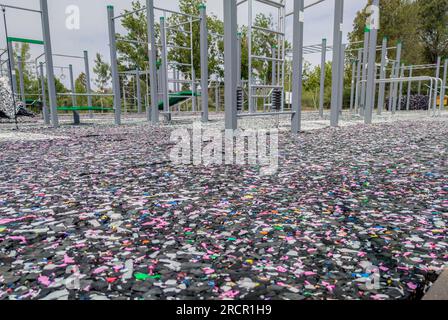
(433, 28)
(102, 72)
(397, 22)
(80, 87)
(190, 34)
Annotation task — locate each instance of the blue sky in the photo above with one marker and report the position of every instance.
(93, 32)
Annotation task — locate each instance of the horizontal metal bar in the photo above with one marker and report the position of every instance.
(128, 13)
(132, 41)
(306, 7)
(19, 8)
(86, 94)
(265, 86)
(180, 64)
(268, 30)
(272, 3)
(178, 47)
(23, 40)
(176, 12)
(267, 58)
(179, 81)
(67, 56)
(265, 114)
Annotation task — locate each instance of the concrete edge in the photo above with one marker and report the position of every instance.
(439, 291)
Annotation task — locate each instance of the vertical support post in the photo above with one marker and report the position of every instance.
(358, 79)
(408, 100)
(341, 79)
(164, 67)
(204, 61)
(88, 84)
(436, 86)
(274, 65)
(352, 89)
(49, 63)
(218, 109)
(391, 89)
(153, 114)
(382, 85)
(365, 61)
(230, 58)
(139, 91)
(249, 48)
(400, 90)
(44, 95)
(13, 68)
(238, 58)
(371, 68)
(444, 84)
(114, 65)
(397, 72)
(337, 47)
(297, 47)
(125, 101)
(193, 70)
(323, 62)
(72, 85)
(419, 90)
(21, 80)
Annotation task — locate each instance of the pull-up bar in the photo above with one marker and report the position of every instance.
(19, 8)
(24, 40)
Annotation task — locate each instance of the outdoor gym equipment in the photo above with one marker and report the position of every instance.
(165, 65)
(46, 42)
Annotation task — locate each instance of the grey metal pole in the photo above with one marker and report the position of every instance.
(352, 89)
(72, 85)
(408, 100)
(238, 57)
(204, 61)
(274, 65)
(88, 84)
(371, 86)
(436, 87)
(444, 84)
(217, 97)
(13, 68)
(164, 67)
(397, 72)
(391, 87)
(230, 65)
(365, 61)
(358, 78)
(400, 90)
(337, 47)
(21, 80)
(153, 115)
(382, 85)
(323, 62)
(49, 63)
(44, 95)
(297, 47)
(139, 92)
(342, 78)
(114, 65)
(419, 90)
